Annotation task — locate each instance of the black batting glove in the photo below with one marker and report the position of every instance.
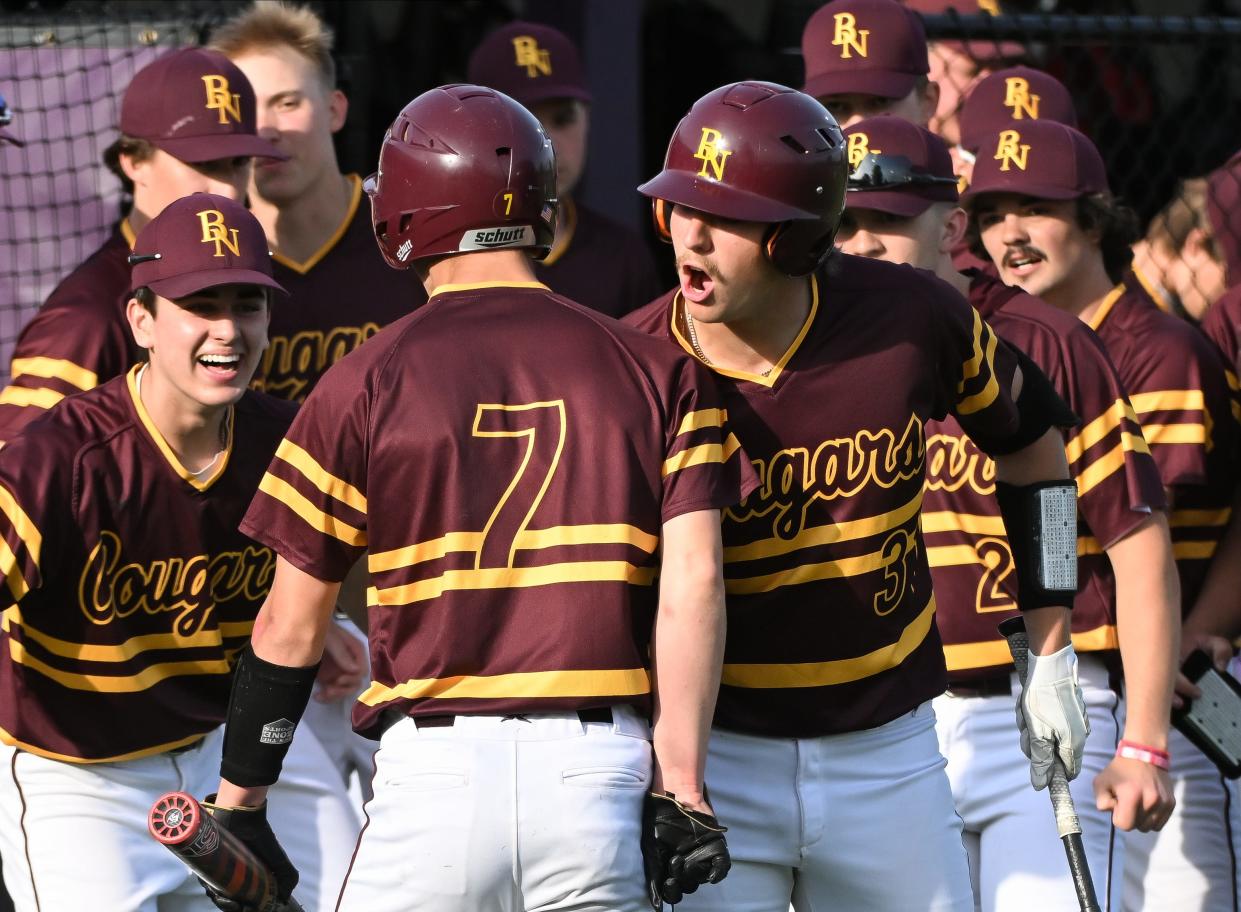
(251, 827)
(681, 849)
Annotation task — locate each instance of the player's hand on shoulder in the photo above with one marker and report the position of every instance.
(1051, 716)
(682, 848)
(1138, 794)
(251, 827)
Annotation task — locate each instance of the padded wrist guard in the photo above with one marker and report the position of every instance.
(1041, 523)
(266, 704)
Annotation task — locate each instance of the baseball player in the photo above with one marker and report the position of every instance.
(187, 126)
(902, 207)
(868, 57)
(512, 604)
(129, 589)
(594, 259)
(829, 373)
(1040, 208)
(320, 231)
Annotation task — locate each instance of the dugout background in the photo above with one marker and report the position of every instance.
(1157, 83)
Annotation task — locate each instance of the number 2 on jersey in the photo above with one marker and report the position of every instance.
(542, 425)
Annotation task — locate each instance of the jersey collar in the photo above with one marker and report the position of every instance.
(198, 484)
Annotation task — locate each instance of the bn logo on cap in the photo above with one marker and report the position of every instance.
(220, 99)
(711, 154)
(1011, 150)
(1017, 96)
(848, 36)
(535, 59)
(216, 232)
(859, 148)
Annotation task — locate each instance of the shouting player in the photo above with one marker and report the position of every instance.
(594, 260)
(513, 462)
(902, 208)
(824, 761)
(187, 126)
(129, 589)
(1041, 210)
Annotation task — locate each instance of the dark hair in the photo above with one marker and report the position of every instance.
(144, 296)
(137, 149)
(1114, 222)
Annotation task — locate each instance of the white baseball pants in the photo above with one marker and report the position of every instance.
(504, 815)
(1017, 860)
(840, 823)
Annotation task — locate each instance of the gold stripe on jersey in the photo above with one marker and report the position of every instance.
(949, 521)
(701, 455)
(1105, 307)
(1165, 434)
(1182, 518)
(1099, 428)
(1190, 400)
(603, 682)
(478, 286)
(198, 484)
(22, 397)
(810, 573)
(952, 556)
(837, 671)
(1194, 550)
(121, 652)
(703, 418)
(964, 656)
(987, 395)
(288, 495)
(66, 758)
(143, 680)
(527, 540)
(321, 478)
(56, 369)
(830, 534)
(512, 578)
(29, 536)
(1104, 467)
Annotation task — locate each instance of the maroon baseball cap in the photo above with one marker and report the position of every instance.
(870, 47)
(196, 105)
(1039, 158)
(1224, 211)
(897, 167)
(200, 241)
(530, 63)
(1011, 97)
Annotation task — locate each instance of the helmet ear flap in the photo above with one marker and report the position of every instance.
(659, 214)
(798, 248)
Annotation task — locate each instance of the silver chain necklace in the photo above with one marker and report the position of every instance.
(693, 340)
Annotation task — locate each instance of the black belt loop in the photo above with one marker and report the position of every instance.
(992, 685)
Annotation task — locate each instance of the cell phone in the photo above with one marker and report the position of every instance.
(1212, 721)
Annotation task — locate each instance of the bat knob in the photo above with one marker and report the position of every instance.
(174, 818)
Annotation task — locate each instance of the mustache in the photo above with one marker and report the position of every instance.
(706, 266)
(1017, 253)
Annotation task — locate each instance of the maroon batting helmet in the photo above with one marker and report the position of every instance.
(759, 152)
(463, 168)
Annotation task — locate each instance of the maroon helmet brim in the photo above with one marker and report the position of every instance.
(715, 198)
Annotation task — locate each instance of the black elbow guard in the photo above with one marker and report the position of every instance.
(266, 704)
(1039, 409)
(1041, 523)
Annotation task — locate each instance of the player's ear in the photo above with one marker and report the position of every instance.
(930, 100)
(954, 224)
(141, 323)
(338, 109)
(135, 169)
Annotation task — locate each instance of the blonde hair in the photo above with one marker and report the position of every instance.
(1186, 211)
(271, 23)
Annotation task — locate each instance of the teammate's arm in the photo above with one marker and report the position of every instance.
(288, 632)
(1217, 613)
(687, 653)
(1148, 609)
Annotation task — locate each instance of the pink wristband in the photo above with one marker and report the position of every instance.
(1131, 750)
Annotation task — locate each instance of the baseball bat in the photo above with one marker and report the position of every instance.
(214, 854)
(1067, 824)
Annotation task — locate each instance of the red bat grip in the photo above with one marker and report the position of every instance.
(213, 853)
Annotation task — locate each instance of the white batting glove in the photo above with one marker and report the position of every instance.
(1051, 716)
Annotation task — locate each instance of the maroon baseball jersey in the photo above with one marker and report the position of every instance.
(523, 452)
(1178, 387)
(830, 608)
(600, 263)
(77, 340)
(337, 299)
(129, 587)
(1117, 487)
(1222, 324)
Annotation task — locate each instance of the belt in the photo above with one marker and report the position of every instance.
(999, 684)
(448, 720)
